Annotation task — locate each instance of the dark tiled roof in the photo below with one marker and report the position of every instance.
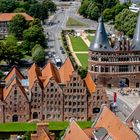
(100, 42)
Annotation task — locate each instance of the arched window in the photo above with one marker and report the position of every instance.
(15, 118)
(35, 115)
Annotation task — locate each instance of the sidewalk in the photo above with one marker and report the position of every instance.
(72, 51)
(131, 100)
(85, 39)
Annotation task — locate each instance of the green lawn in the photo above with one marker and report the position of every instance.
(78, 44)
(22, 127)
(74, 22)
(90, 38)
(83, 58)
(17, 127)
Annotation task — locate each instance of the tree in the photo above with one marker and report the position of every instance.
(126, 21)
(50, 5)
(95, 13)
(34, 34)
(109, 3)
(38, 11)
(17, 25)
(11, 51)
(83, 8)
(36, 21)
(7, 6)
(38, 54)
(27, 136)
(108, 14)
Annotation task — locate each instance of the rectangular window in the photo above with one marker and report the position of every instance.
(123, 68)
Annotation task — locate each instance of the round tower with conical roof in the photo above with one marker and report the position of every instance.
(118, 65)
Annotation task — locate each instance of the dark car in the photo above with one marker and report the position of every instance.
(63, 52)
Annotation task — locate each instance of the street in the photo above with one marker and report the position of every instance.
(126, 104)
(59, 23)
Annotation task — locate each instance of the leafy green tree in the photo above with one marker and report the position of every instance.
(7, 6)
(17, 25)
(82, 72)
(38, 11)
(95, 13)
(11, 51)
(36, 22)
(108, 14)
(50, 5)
(83, 8)
(109, 3)
(27, 136)
(34, 34)
(126, 21)
(38, 54)
(19, 10)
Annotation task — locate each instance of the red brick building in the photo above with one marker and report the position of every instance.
(51, 94)
(115, 63)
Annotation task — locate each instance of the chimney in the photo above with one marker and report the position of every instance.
(42, 126)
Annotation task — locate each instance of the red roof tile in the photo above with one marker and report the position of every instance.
(74, 132)
(13, 71)
(49, 71)
(66, 70)
(33, 74)
(115, 128)
(90, 83)
(9, 16)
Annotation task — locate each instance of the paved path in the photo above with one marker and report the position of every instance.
(72, 51)
(81, 52)
(85, 39)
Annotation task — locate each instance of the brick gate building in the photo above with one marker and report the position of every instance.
(115, 63)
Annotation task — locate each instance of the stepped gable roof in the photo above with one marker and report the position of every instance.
(100, 42)
(116, 129)
(33, 73)
(134, 115)
(9, 16)
(14, 72)
(136, 37)
(90, 83)
(50, 70)
(8, 89)
(74, 132)
(66, 70)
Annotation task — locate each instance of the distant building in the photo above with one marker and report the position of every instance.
(5, 18)
(115, 63)
(50, 94)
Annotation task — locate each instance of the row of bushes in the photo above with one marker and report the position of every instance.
(82, 72)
